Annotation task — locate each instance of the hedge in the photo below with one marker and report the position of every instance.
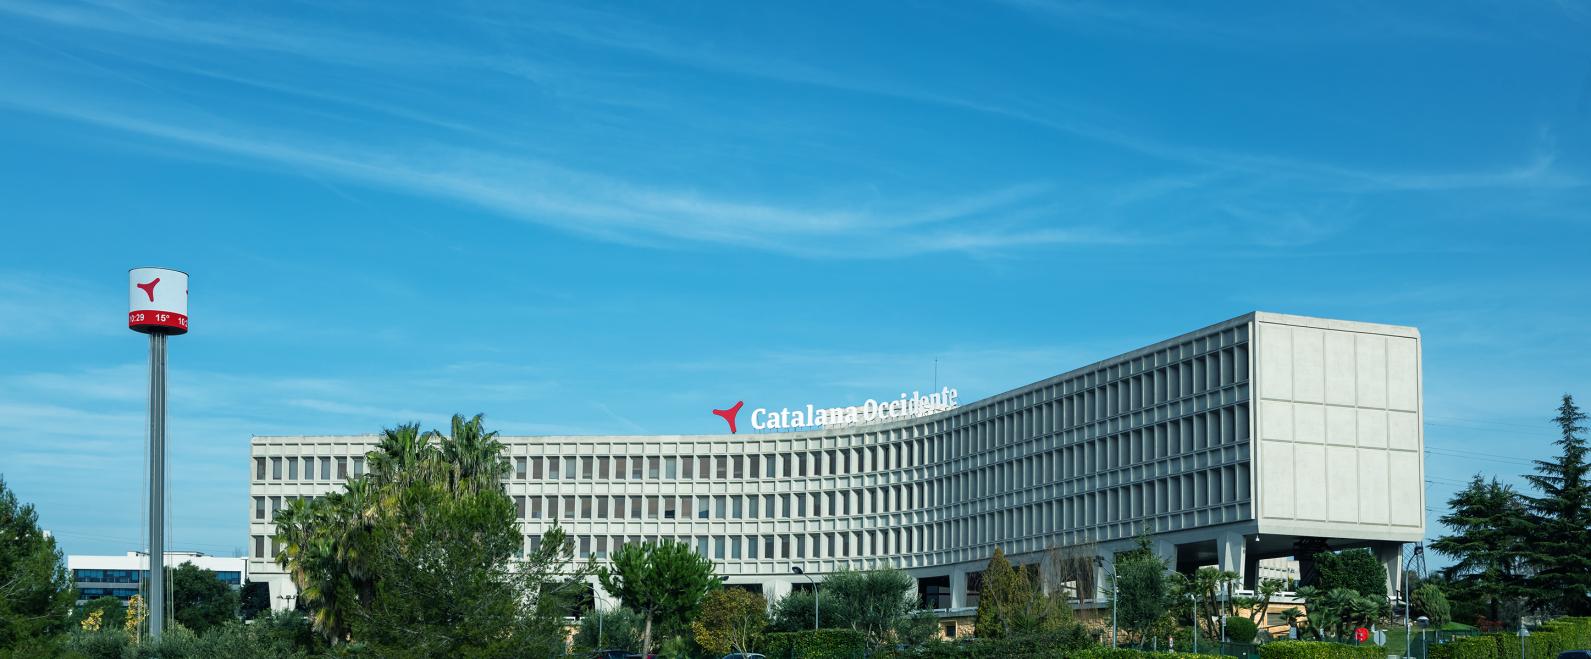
(1574, 632)
(1553, 637)
(814, 644)
(1319, 650)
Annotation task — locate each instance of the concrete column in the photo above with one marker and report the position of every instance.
(1391, 555)
(1166, 551)
(958, 588)
(1102, 572)
(601, 599)
(1231, 554)
(774, 589)
(1251, 571)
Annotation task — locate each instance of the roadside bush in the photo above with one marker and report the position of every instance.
(1466, 647)
(1539, 645)
(1574, 632)
(1241, 630)
(104, 644)
(1317, 650)
(815, 644)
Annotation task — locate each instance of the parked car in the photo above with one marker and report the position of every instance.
(747, 655)
(611, 654)
(1575, 654)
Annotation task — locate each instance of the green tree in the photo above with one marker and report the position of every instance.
(793, 612)
(1357, 570)
(617, 629)
(200, 601)
(879, 603)
(1487, 524)
(664, 582)
(1428, 601)
(731, 620)
(36, 595)
(422, 556)
(113, 614)
(1559, 529)
(1003, 589)
(1141, 593)
(1210, 588)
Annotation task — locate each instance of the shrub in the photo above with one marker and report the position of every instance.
(1575, 633)
(815, 644)
(1241, 630)
(1317, 650)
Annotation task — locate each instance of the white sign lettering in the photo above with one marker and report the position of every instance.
(872, 411)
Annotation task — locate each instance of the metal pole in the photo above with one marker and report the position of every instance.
(1195, 599)
(1115, 597)
(814, 602)
(157, 482)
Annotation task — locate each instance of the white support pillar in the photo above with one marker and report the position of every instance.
(1232, 554)
(774, 589)
(1391, 555)
(958, 588)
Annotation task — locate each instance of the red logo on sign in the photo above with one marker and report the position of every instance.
(729, 415)
(1361, 634)
(149, 288)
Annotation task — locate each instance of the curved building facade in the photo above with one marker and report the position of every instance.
(1262, 436)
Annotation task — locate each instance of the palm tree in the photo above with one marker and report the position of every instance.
(472, 455)
(401, 454)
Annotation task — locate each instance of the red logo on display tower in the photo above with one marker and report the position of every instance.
(729, 415)
(149, 288)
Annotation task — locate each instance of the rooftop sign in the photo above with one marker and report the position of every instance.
(811, 417)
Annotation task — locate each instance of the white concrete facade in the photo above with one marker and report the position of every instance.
(1228, 444)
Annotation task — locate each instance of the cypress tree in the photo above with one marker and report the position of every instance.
(1560, 521)
(1002, 587)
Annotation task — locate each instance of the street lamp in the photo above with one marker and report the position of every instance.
(1425, 647)
(1195, 599)
(797, 569)
(1100, 561)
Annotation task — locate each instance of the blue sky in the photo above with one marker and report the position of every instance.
(610, 219)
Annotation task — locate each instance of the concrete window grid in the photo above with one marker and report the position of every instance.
(1083, 414)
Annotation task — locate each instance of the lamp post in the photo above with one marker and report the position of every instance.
(1195, 599)
(1114, 596)
(797, 569)
(1425, 647)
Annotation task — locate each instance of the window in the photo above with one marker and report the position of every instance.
(651, 507)
(635, 507)
(519, 506)
(768, 465)
(259, 507)
(552, 467)
(585, 507)
(569, 506)
(259, 469)
(635, 468)
(587, 469)
(704, 467)
(671, 468)
(652, 468)
(292, 469)
(735, 508)
(719, 508)
(685, 507)
(276, 469)
(767, 546)
(740, 467)
(259, 546)
(751, 547)
(359, 467)
(702, 511)
(723, 468)
(342, 469)
(668, 508)
(585, 546)
(569, 471)
(618, 507)
(535, 507)
(685, 468)
(602, 507)
(520, 468)
(718, 547)
(276, 506)
(536, 468)
(602, 468)
(325, 469)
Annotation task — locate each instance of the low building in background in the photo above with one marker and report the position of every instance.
(122, 577)
(1266, 436)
